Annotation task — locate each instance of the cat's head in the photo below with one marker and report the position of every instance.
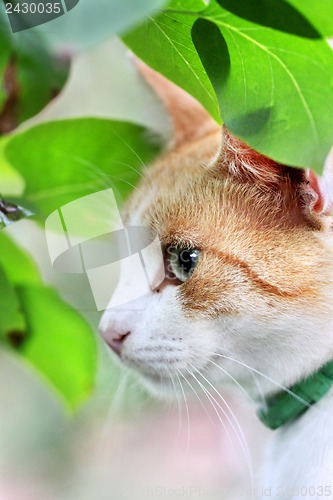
(247, 246)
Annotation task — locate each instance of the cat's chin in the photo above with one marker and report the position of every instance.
(158, 386)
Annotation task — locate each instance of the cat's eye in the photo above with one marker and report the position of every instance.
(182, 262)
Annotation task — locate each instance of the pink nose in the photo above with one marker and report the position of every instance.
(115, 340)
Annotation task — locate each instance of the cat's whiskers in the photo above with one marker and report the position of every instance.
(197, 395)
(211, 399)
(261, 395)
(135, 154)
(242, 388)
(92, 171)
(104, 179)
(147, 170)
(238, 434)
(136, 170)
(109, 429)
(188, 415)
(256, 381)
(235, 427)
(171, 404)
(108, 181)
(179, 412)
(258, 372)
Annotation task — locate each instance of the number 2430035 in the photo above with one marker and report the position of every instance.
(34, 8)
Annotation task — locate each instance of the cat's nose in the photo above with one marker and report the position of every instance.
(115, 337)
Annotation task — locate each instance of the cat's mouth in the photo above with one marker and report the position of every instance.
(147, 372)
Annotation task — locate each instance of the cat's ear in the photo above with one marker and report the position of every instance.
(323, 186)
(244, 163)
(189, 119)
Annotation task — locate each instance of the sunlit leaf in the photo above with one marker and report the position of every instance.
(274, 89)
(319, 13)
(11, 182)
(170, 34)
(187, 5)
(18, 265)
(290, 99)
(63, 161)
(284, 15)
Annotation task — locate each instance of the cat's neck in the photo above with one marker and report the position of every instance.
(267, 365)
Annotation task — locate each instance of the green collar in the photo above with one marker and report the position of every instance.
(288, 405)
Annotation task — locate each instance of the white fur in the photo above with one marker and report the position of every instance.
(300, 456)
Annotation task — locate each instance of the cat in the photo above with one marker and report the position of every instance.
(248, 256)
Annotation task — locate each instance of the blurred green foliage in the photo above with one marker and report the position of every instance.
(92, 154)
(45, 330)
(265, 69)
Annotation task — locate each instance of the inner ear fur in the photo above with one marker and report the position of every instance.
(190, 120)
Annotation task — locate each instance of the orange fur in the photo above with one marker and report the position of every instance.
(250, 217)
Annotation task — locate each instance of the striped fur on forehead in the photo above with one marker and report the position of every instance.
(197, 201)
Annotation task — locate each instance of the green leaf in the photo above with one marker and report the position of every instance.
(274, 89)
(170, 34)
(59, 344)
(10, 181)
(12, 322)
(18, 265)
(319, 13)
(289, 100)
(63, 161)
(187, 5)
(42, 328)
(281, 15)
(39, 75)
